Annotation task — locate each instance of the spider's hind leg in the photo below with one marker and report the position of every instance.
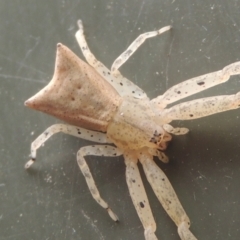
(134, 46)
(67, 129)
(123, 86)
(96, 150)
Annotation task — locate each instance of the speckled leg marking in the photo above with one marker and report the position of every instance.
(166, 194)
(202, 107)
(176, 131)
(123, 86)
(68, 129)
(96, 150)
(139, 197)
(197, 84)
(134, 46)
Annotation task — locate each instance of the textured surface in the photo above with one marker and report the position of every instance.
(51, 201)
(77, 94)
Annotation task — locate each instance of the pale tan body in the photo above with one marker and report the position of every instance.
(105, 107)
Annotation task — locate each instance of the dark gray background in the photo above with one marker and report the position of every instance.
(51, 200)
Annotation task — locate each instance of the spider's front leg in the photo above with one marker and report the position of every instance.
(195, 85)
(139, 196)
(201, 107)
(166, 195)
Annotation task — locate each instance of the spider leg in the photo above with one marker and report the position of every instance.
(68, 129)
(201, 107)
(122, 85)
(100, 150)
(166, 195)
(197, 84)
(134, 46)
(157, 153)
(176, 131)
(139, 197)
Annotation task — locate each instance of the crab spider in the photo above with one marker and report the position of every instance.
(104, 107)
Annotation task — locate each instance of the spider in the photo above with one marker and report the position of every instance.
(104, 107)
